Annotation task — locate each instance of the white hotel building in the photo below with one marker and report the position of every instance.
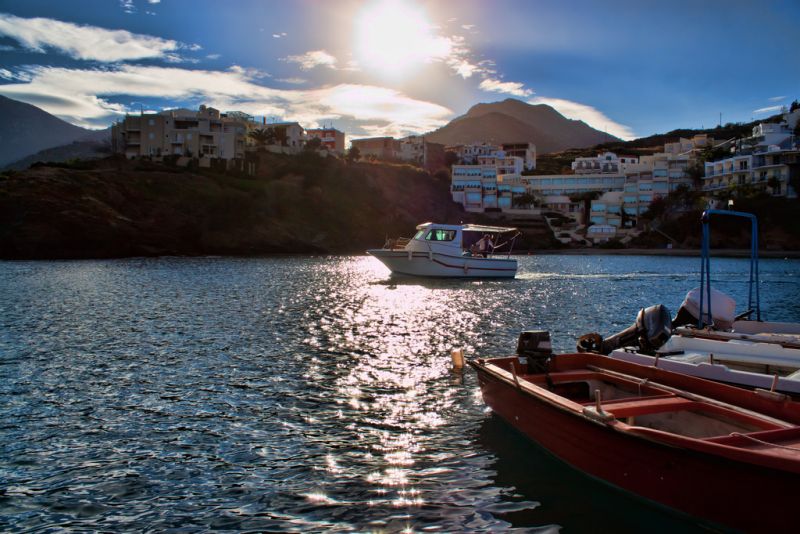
(768, 160)
(490, 185)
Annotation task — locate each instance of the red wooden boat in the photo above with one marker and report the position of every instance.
(726, 455)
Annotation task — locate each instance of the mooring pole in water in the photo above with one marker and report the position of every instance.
(457, 355)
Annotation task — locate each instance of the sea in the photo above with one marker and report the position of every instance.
(307, 394)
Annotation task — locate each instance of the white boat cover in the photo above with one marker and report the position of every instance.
(723, 308)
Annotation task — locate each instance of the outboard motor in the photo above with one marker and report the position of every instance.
(535, 350)
(652, 328)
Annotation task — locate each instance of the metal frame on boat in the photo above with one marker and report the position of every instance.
(722, 346)
(443, 250)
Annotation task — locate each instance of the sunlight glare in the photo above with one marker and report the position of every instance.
(393, 36)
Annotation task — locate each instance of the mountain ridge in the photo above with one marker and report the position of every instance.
(27, 129)
(512, 120)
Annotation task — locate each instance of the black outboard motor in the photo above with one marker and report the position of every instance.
(535, 350)
(653, 327)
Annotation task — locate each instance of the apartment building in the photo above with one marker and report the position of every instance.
(332, 139)
(288, 134)
(526, 151)
(385, 148)
(469, 154)
(689, 146)
(205, 133)
(490, 184)
(768, 160)
(605, 163)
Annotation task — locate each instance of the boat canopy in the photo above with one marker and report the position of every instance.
(487, 229)
(469, 228)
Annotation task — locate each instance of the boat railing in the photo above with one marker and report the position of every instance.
(398, 243)
(510, 242)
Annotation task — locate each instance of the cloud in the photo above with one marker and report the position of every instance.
(776, 98)
(279, 35)
(293, 81)
(153, 1)
(313, 59)
(86, 42)
(769, 109)
(511, 88)
(127, 6)
(83, 96)
(21, 76)
(213, 56)
(591, 116)
(467, 26)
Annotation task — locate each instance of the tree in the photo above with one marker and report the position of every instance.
(262, 137)
(313, 144)
(586, 197)
(774, 183)
(523, 200)
(656, 209)
(354, 154)
(450, 159)
(795, 105)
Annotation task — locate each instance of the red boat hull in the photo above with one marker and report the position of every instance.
(747, 497)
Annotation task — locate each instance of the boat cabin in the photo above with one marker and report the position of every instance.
(457, 239)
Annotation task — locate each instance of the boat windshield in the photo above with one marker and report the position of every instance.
(420, 233)
(439, 234)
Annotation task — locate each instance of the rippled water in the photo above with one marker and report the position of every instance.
(303, 394)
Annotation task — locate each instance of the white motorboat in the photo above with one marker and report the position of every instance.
(449, 250)
(708, 340)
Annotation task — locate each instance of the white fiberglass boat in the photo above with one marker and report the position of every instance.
(448, 250)
(708, 339)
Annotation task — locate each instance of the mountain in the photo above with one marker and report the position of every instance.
(83, 149)
(515, 121)
(26, 129)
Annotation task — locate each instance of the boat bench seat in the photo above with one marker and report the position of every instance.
(646, 405)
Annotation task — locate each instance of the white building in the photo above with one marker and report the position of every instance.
(412, 148)
(688, 146)
(491, 184)
(605, 163)
(767, 160)
(469, 154)
(288, 134)
(204, 134)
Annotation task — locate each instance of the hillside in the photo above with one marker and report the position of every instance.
(83, 149)
(26, 130)
(515, 121)
(296, 204)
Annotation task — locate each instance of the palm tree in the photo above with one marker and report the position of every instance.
(262, 136)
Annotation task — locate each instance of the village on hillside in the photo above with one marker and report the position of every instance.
(601, 198)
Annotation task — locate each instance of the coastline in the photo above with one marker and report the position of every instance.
(721, 253)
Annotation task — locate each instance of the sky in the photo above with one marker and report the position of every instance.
(631, 68)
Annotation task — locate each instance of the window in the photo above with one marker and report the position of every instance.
(151, 135)
(189, 136)
(151, 122)
(441, 235)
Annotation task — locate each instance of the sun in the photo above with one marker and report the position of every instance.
(393, 37)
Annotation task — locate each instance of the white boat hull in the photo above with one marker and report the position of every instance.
(718, 360)
(438, 265)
